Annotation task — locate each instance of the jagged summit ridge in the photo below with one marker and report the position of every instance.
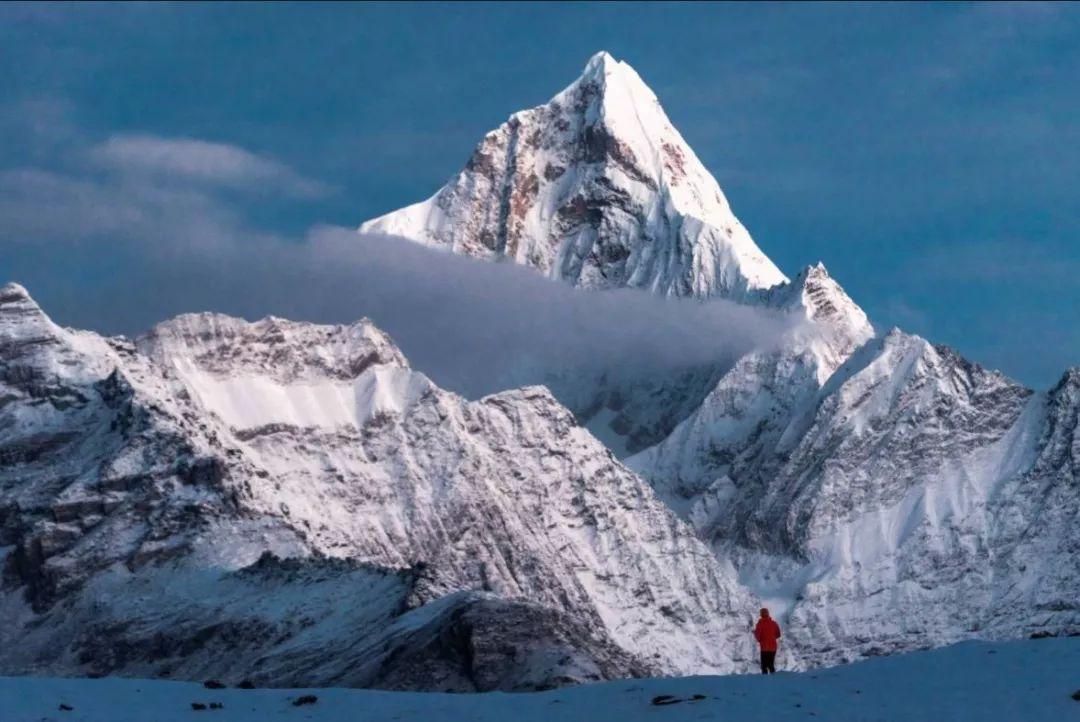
(601, 64)
(596, 188)
(288, 348)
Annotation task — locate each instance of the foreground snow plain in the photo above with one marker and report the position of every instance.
(988, 682)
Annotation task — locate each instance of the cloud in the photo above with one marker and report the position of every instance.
(474, 327)
(201, 162)
(64, 209)
(478, 327)
(164, 196)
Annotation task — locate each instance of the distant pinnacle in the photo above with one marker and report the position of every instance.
(14, 296)
(13, 291)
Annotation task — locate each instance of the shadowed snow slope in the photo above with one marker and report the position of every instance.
(971, 682)
(292, 503)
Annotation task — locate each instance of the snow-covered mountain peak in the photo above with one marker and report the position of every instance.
(601, 63)
(19, 313)
(597, 70)
(608, 79)
(36, 351)
(597, 188)
(817, 295)
(1071, 378)
(25, 330)
(151, 490)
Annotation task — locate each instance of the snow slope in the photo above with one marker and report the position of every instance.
(739, 431)
(598, 189)
(294, 503)
(976, 682)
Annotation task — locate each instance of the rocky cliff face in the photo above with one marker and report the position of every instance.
(901, 500)
(916, 510)
(235, 499)
(731, 445)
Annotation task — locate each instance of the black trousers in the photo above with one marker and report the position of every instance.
(768, 662)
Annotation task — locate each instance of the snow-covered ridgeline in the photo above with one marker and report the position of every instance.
(918, 500)
(597, 188)
(196, 501)
(221, 496)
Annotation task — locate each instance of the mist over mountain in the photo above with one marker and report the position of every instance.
(474, 327)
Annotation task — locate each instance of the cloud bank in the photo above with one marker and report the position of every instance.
(474, 327)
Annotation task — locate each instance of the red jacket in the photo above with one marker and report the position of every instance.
(766, 633)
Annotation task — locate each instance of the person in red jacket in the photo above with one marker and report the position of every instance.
(767, 632)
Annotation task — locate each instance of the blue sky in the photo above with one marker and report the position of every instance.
(929, 155)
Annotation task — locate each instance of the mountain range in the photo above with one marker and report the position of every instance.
(293, 504)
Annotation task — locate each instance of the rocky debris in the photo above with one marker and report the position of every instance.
(305, 699)
(482, 644)
(662, 700)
